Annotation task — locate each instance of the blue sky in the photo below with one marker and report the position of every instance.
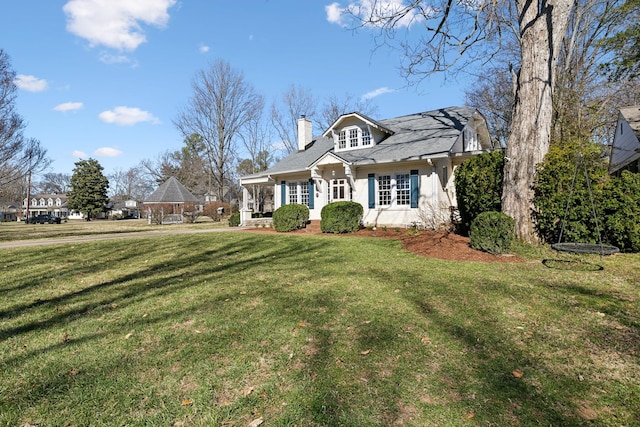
(105, 79)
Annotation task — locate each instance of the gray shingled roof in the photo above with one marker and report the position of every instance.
(632, 116)
(415, 136)
(171, 191)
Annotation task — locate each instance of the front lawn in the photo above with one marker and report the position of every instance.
(234, 328)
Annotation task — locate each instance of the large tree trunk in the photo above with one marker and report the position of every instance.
(542, 28)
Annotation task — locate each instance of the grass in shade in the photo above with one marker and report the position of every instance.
(229, 328)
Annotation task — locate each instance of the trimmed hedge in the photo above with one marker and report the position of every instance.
(492, 232)
(234, 220)
(341, 217)
(621, 211)
(478, 184)
(290, 217)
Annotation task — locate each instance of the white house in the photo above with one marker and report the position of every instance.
(54, 204)
(400, 170)
(625, 152)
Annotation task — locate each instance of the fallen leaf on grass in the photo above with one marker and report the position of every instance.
(187, 402)
(518, 373)
(129, 335)
(365, 352)
(301, 325)
(470, 415)
(426, 340)
(256, 422)
(247, 391)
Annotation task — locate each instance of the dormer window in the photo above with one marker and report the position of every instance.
(50, 202)
(42, 202)
(342, 140)
(58, 202)
(353, 137)
(366, 137)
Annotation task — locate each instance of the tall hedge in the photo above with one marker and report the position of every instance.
(621, 211)
(553, 196)
(478, 184)
(290, 217)
(341, 217)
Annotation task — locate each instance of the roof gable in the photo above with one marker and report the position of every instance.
(171, 191)
(347, 119)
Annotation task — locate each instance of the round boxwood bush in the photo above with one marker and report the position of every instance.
(341, 217)
(290, 217)
(234, 220)
(492, 232)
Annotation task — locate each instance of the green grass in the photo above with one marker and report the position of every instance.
(225, 328)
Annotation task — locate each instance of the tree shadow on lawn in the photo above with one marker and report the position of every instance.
(501, 377)
(153, 280)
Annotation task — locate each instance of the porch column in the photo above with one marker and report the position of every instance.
(245, 212)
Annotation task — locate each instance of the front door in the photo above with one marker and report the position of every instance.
(339, 190)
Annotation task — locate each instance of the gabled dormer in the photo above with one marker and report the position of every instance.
(355, 131)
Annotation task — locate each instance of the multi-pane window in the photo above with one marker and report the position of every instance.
(293, 192)
(304, 193)
(50, 202)
(353, 138)
(42, 202)
(298, 193)
(342, 139)
(403, 189)
(384, 190)
(366, 137)
(339, 189)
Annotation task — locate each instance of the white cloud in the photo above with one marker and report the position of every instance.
(334, 13)
(115, 23)
(30, 83)
(109, 58)
(377, 92)
(127, 116)
(79, 154)
(107, 152)
(68, 106)
(374, 13)
(203, 48)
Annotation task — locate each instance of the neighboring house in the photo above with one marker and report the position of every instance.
(125, 209)
(400, 170)
(9, 212)
(167, 203)
(625, 151)
(53, 204)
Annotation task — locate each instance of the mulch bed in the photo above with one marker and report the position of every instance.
(430, 244)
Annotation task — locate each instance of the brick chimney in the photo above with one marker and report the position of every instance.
(305, 133)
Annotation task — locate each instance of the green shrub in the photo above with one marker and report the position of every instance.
(478, 184)
(234, 219)
(492, 232)
(553, 196)
(290, 217)
(341, 217)
(621, 212)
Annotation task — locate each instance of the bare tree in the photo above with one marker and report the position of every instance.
(457, 34)
(130, 184)
(19, 156)
(295, 102)
(221, 106)
(53, 183)
(336, 106)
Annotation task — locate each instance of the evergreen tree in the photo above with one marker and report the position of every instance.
(89, 187)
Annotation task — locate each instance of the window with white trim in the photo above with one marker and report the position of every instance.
(298, 193)
(50, 202)
(366, 137)
(293, 192)
(42, 202)
(394, 190)
(353, 137)
(304, 193)
(403, 189)
(342, 140)
(58, 202)
(384, 190)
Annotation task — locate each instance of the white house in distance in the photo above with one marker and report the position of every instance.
(400, 170)
(625, 152)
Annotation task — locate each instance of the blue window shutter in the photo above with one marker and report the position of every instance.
(372, 190)
(415, 191)
(312, 193)
(283, 193)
